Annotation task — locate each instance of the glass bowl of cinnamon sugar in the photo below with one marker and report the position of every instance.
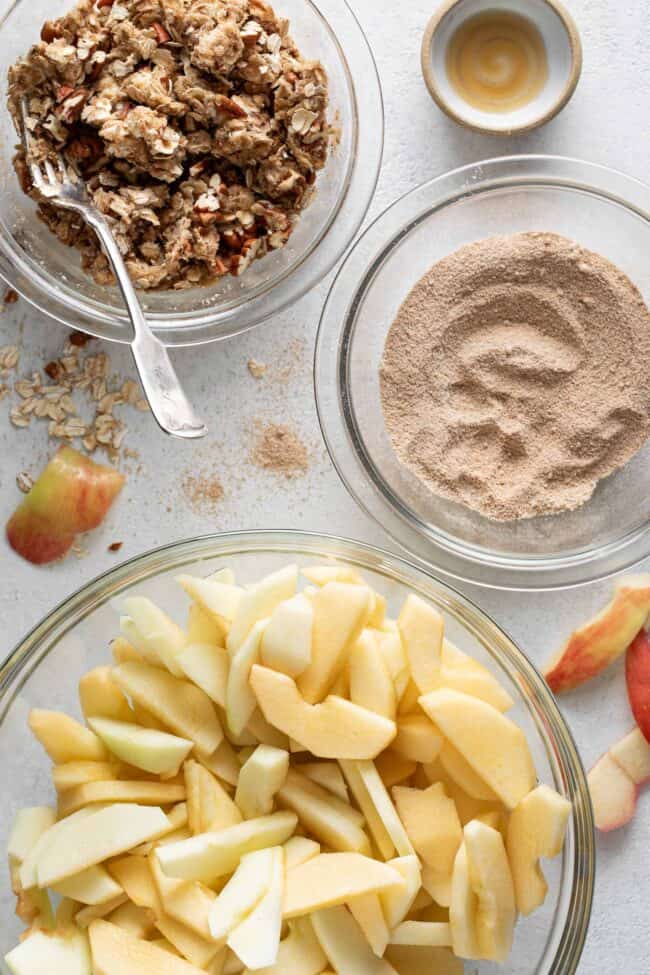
(481, 372)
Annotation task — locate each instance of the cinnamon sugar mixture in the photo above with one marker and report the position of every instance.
(515, 375)
(278, 448)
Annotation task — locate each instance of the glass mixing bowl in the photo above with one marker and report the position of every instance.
(49, 275)
(44, 671)
(601, 209)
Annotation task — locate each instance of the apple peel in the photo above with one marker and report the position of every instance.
(637, 676)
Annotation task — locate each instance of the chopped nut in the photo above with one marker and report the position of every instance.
(11, 297)
(24, 482)
(115, 546)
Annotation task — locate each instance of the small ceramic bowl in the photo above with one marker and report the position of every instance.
(563, 51)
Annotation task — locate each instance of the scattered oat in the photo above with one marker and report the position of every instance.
(203, 492)
(279, 449)
(257, 369)
(9, 356)
(24, 482)
(11, 297)
(115, 546)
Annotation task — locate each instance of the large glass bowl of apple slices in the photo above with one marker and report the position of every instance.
(291, 754)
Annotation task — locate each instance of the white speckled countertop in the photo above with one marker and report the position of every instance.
(606, 122)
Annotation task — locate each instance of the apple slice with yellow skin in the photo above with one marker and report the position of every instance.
(463, 908)
(153, 751)
(219, 599)
(181, 706)
(327, 818)
(92, 886)
(243, 892)
(203, 628)
(417, 740)
(72, 495)
(60, 953)
(345, 945)
(210, 856)
(491, 881)
(64, 739)
(140, 792)
(116, 952)
(396, 903)
(328, 775)
(286, 644)
(394, 768)
(367, 911)
(259, 602)
(100, 697)
(458, 769)
(206, 666)
(371, 686)
(413, 960)
(335, 878)
(340, 613)
(299, 849)
(209, 806)
(240, 699)
(432, 824)
(593, 647)
(460, 672)
(637, 676)
(493, 745)
(422, 629)
(260, 779)
(256, 939)
(334, 729)
(299, 954)
(536, 829)
(157, 631)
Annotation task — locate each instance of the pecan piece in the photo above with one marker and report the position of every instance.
(50, 30)
(162, 35)
(229, 107)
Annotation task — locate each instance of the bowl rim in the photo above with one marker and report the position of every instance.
(575, 71)
(552, 726)
(431, 547)
(339, 229)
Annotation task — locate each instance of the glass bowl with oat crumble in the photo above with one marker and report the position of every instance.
(229, 143)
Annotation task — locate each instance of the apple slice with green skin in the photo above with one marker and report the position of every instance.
(206, 666)
(597, 644)
(58, 953)
(334, 729)
(116, 952)
(100, 697)
(327, 818)
(243, 892)
(209, 856)
(637, 675)
(299, 954)
(145, 748)
(72, 495)
(613, 794)
(261, 777)
(256, 939)
(180, 705)
(397, 903)
(422, 629)
(286, 644)
(335, 878)
(491, 881)
(344, 944)
(417, 740)
(157, 631)
(536, 828)
(371, 686)
(340, 613)
(259, 602)
(98, 836)
(92, 886)
(64, 739)
(493, 745)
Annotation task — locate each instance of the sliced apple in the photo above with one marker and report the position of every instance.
(72, 774)
(202, 628)
(493, 745)
(392, 650)
(463, 909)
(135, 920)
(243, 892)
(240, 699)
(422, 629)
(116, 952)
(28, 827)
(157, 631)
(66, 952)
(491, 881)
(374, 821)
(460, 672)
(411, 960)
(264, 733)
(256, 939)
(335, 878)
(432, 824)
(368, 913)
(385, 809)
(188, 903)
(259, 602)
(334, 729)
(261, 777)
(64, 739)
(613, 794)
(145, 748)
(328, 775)
(100, 697)
(299, 849)
(72, 495)
(28, 870)
(327, 818)
(345, 945)
(206, 666)
(632, 753)
(95, 838)
(140, 792)
(425, 934)
(340, 612)
(394, 768)
(300, 953)
(210, 808)
(536, 829)
(320, 575)
(180, 705)
(597, 644)
(396, 903)
(637, 675)
(92, 886)
(371, 686)
(209, 856)
(286, 644)
(458, 769)
(417, 740)
(223, 763)
(134, 875)
(218, 598)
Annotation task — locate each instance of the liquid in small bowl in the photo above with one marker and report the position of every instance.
(497, 61)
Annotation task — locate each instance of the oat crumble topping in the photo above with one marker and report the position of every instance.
(197, 125)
